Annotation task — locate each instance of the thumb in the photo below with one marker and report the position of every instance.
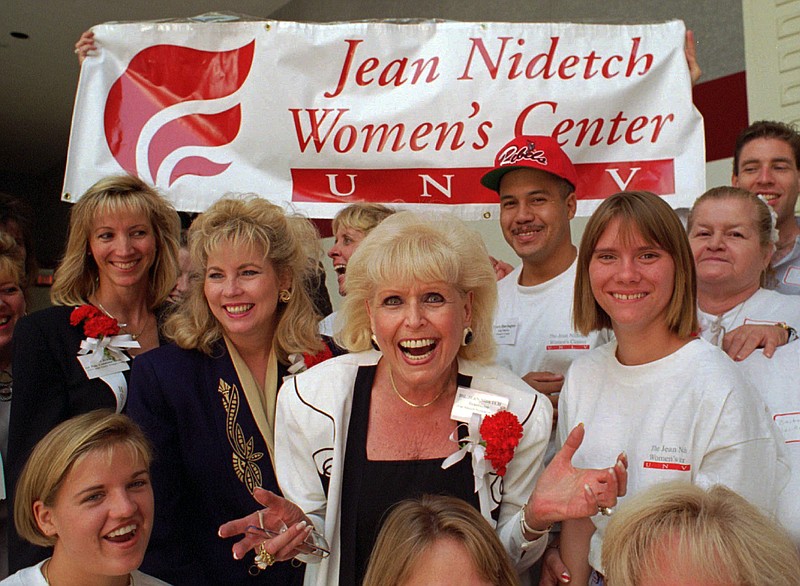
(266, 497)
(574, 441)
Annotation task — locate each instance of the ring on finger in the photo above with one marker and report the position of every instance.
(605, 511)
(264, 559)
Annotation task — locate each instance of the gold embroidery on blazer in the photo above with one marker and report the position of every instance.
(244, 456)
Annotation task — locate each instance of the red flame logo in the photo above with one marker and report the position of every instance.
(165, 75)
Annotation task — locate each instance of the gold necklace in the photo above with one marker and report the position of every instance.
(46, 574)
(409, 403)
(125, 326)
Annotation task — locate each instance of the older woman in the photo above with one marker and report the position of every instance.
(85, 492)
(207, 401)
(350, 227)
(424, 539)
(732, 235)
(119, 267)
(358, 434)
(674, 403)
(677, 533)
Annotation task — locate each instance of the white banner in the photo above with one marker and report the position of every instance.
(322, 115)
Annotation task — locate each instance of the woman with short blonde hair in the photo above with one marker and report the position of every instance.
(709, 536)
(87, 480)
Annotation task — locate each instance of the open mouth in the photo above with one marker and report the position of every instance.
(4, 320)
(123, 534)
(239, 309)
(628, 297)
(768, 197)
(418, 349)
(340, 269)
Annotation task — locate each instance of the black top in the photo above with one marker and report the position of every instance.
(365, 504)
(50, 386)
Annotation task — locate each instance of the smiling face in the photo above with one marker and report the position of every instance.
(102, 515)
(241, 288)
(12, 307)
(632, 280)
(535, 215)
(419, 329)
(767, 166)
(345, 244)
(124, 247)
(726, 247)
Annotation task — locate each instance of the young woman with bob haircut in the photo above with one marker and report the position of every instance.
(85, 491)
(120, 265)
(675, 404)
(427, 541)
(207, 400)
(359, 433)
(677, 533)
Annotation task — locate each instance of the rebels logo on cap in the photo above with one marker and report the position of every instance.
(514, 154)
(542, 153)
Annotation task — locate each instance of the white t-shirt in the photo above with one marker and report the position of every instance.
(533, 325)
(777, 380)
(762, 307)
(689, 416)
(32, 576)
(787, 270)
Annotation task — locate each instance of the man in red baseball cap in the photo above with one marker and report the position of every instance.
(536, 181)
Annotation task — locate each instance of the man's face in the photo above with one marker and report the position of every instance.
(534, 214)
(767, 166)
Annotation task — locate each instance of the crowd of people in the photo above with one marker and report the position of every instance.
(622, 412)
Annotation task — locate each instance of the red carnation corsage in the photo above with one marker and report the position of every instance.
(96, 324)
(501, 433)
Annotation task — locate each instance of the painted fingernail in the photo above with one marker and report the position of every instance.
(301, 525)
(565, 577)
(236, 557)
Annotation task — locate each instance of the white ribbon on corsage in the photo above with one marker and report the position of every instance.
(481, 467)
(109, 349)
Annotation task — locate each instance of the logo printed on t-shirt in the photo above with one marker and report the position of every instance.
(667, 457)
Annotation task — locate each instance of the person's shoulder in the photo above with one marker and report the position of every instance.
(496, 379)
(172, 357)
(508, 284)
(30, 576)
(56, 315)
(141, 579)
(771, 298)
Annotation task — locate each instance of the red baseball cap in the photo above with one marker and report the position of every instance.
(531, 152)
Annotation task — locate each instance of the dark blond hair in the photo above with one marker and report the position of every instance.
(658, 224)
(289, 243)
(361, 216)
(76, 278)
(407, 248)
(720, 536)
(413, 526)
(762, 223)
(59, 451)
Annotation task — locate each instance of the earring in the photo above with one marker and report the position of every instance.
(374, 342)
(466, 340)
(284, 296)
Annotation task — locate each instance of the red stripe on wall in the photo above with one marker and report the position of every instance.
(723, 104)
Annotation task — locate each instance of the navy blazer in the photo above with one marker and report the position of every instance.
(209, 456)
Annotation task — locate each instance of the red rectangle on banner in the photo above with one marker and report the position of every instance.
(667, 466)
(461, 185)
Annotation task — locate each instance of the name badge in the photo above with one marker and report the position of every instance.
(469, 401)
(789, 424)
(108, 365)
(505, 333)
(792, 276)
